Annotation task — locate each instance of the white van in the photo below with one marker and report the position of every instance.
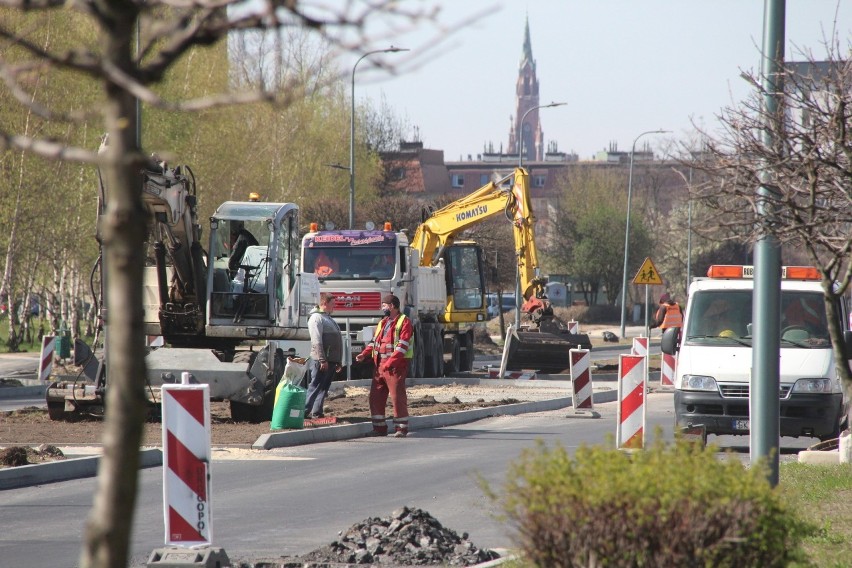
(714, 355)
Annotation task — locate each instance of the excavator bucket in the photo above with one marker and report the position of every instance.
(544, 351)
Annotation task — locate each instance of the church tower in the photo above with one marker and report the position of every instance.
(526, 97)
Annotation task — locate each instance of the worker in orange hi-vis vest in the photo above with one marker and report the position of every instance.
(325, 266)
(391, 348)
(668, 314)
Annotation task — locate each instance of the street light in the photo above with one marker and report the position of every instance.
(390, 49)
(520, 127)
(627, 226)
(520, 165)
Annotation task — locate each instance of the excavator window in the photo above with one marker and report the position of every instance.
(465, 277)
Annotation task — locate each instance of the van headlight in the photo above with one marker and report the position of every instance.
(812, 386)
(698, 383)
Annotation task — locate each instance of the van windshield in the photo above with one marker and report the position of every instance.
(723, 317)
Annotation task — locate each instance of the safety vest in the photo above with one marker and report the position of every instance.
(673, 317)
(397, 330)
(324, 266)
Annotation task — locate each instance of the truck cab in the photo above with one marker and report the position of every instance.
(714, 356)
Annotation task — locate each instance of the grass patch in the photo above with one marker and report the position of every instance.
(822, 495)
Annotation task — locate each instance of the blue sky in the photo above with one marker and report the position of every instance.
(624, 67)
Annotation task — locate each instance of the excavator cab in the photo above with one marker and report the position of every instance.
(465, 277)
(254, 257)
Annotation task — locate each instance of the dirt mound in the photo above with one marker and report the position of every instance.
(17, 456)
(408, 537)
(32, 426)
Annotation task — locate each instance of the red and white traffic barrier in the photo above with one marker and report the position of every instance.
(525, 375)
(581, 380)
(186, 463)
(154, 341)
(667, 370)
(48, 350)
(573, 327)
(640, 346)
(630, 425)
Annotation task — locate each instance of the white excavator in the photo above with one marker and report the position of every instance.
(214, 311)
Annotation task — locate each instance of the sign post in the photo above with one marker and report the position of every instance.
(649, 276)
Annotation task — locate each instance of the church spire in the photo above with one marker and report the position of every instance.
(527, 44)
(527, 135)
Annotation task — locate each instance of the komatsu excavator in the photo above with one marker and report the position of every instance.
(542, 341)
(213, 311)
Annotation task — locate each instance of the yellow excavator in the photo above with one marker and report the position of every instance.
(541, 340)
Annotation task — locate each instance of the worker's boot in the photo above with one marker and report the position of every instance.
(380, 426)
(401, 427)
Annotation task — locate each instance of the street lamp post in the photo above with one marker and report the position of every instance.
(520, 127)
(520, 142)
(390, 49)
(627, 226)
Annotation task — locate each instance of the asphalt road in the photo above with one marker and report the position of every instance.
(297, 499)
(292, 500)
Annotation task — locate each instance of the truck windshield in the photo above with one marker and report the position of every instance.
(351, 263)
(723, 317)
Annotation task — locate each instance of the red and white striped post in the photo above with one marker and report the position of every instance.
(48, 349)
(186, 463)
(630, 425)
(640, 346)
(581, 380)
(573, 327)
(667, 370)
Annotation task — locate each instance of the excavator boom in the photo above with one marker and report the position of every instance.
(544, 341)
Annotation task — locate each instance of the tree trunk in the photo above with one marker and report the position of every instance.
(108, 528)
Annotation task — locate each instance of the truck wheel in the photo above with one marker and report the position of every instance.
(451, 365)
(466, 352)
(417, 362)
(438, 350)
(430, 368)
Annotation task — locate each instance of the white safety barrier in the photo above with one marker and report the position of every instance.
(525, 375)
(186, 463)
(573, 327)
(48, 350)
(581, 380)
(667, 370)
(630, 424)
(640, 346)
(154, 341)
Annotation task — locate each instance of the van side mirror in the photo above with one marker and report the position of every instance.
(670, 343)
(847, 344)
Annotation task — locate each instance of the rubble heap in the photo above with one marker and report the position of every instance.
(409, 537)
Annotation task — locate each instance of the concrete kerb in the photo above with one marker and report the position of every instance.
(73, 468)
(22, 392)
(348, 431)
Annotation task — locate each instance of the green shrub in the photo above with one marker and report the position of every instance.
(670, 505)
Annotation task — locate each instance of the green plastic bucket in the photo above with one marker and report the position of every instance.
(289, 409)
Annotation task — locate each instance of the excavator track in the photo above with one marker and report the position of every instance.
(543, 351)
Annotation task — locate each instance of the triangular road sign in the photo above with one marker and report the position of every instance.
(648, 274)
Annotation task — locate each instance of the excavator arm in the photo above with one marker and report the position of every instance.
(440, 230)
(544, 341)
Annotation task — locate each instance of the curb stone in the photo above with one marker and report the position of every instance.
(75, 468)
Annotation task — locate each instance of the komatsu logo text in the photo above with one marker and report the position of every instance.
(471, 213)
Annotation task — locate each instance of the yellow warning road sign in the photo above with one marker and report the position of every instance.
(648, 274)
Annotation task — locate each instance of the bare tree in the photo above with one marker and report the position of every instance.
(167, 29)
(809, 174)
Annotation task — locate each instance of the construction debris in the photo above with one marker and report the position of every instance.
(408, 537)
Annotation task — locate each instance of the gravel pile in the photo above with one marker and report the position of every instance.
(408, 537)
